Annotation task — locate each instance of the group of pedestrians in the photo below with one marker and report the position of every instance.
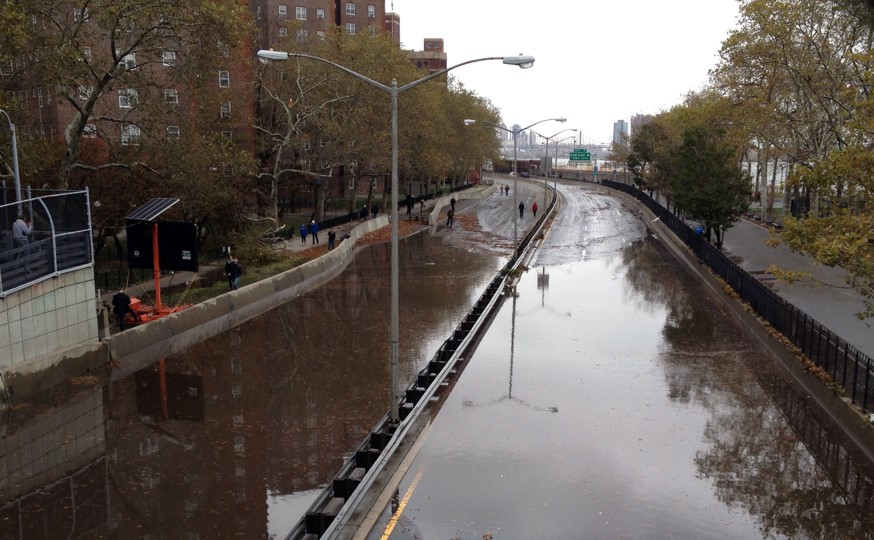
(312, 230)
(522, 209)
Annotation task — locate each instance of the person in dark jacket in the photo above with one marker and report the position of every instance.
(228, 267)
(303, 233)
(332, 237)
(121, 307)
(314, 230)
(236, 272)
(521, 209)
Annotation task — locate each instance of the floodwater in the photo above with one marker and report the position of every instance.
(256, 419)
(609, 399)
(612, 398)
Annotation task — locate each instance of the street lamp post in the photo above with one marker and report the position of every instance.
(546, 173)
(515, 132)
(14, 160)
(393, 90)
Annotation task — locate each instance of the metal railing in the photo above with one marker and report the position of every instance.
(60, 240)
(846, 365)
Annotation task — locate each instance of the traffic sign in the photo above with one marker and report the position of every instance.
(580, 154)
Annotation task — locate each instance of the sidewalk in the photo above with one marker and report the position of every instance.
(827, 298)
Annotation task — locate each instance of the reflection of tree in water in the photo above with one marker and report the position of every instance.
(768, 454)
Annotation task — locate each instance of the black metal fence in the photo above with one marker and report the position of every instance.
(847, 366)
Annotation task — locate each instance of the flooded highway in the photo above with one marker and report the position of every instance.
(610, 398)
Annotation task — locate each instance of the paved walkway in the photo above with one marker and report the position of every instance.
(826, 297)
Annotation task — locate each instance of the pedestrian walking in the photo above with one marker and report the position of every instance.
(303, 233)
(534, 208)
(521, 209)
(229, 264)
(121, 307)
(314, 231)
(332, 236)
(364, 213)
(452, 203)
(450, 217)
(374, 210)
(236, 273)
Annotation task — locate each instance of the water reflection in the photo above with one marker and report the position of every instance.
(270, 408)
(767, 452)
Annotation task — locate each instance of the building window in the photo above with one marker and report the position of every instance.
(372, 31)
(129, 61)
(168, 58)
(302, 35)
(283, 10)
(127, 98)
(130, 135)
(258, 13)
(171, 95)
(86, 54)
(321, 34)
(350, 28)
(225, 111)
(80, 15)
(224, 79)
(226, 135)
(371, 11)
(89, 131)
(320, 13)
(350, 8)
(173, 132)
(84, 92)
(300, 13)
(283, 32)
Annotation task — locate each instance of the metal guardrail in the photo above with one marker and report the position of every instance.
(846, 365)
(60, 241)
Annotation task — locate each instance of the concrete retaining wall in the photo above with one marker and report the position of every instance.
(51, 316)
(138, 347)
(470, 194)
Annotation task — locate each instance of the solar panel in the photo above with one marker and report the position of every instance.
(152, 209)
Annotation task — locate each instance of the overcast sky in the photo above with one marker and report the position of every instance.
(596, 62)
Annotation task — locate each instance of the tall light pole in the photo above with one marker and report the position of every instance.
(546, 173)
(515, 132)
(14, 160)
(393, 90)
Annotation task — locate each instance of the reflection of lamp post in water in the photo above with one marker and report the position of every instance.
(509, 396)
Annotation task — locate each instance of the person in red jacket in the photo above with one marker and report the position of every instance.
(534, 208)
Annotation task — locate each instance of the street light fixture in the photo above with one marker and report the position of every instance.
(546, 172)
(516, 132)
(523, 61)
(14, 160)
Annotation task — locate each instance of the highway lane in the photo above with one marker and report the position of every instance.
(612, 398)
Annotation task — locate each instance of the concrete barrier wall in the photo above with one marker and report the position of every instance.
(469, 194)
(46, 318)
(138, 347)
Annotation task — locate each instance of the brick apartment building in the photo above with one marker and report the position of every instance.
(228, 109)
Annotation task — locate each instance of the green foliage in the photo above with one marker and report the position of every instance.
(708, 186)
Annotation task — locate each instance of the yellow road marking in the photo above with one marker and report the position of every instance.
(397, 515)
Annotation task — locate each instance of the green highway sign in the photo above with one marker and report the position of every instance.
(580, 154)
